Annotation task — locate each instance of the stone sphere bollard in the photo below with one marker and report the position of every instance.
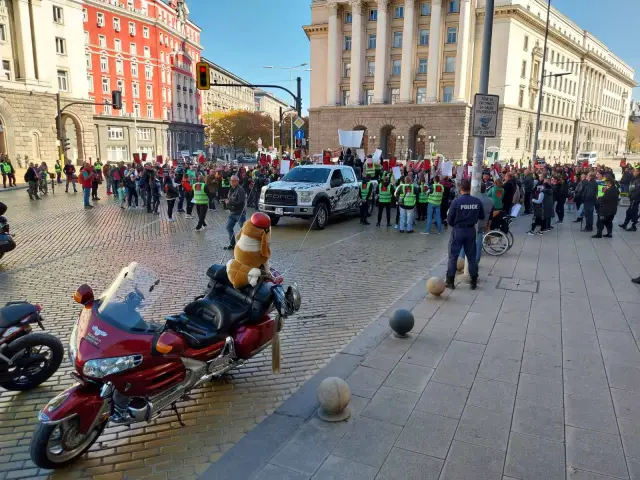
(333, 395)
(401, 322)
(460, 264)
(435, 286)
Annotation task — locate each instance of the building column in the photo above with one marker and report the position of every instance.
(357, 51)
(459, 89)
(24, 42)
(579, 100)
(382, 41)
(408, 52)
(433, 68)
(333, 63)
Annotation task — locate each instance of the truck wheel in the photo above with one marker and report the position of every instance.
(321, 216)
(274, 220)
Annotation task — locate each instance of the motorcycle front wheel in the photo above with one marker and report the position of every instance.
(56, 446)
(39, 356)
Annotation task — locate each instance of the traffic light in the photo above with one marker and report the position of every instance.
(66, 143)
(202, 73)
(116, 100)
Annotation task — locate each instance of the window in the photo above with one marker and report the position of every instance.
(135, 88)
(149, 91)
(523, 69)
(119, 66)
(454, 6)
(132, 28)
(144, 134)
(116, 24)
(447, 95)
(368, 98)
(63, 81)
(519, 122)
(105, 85)
(134, 69)
(3, 32)
(164, 94)
(117, 45)
(100, 19)
(115, 133)
(104, 64)
(450, 65)
(424, 37)
(373, 38)
(397, 39)
(61, 46)
(521, 97)
(373, 15)
(397, 67)
(57, 15)
(87, 57)
(425, 9)
(395, 95)
(145, 32)
(347, 42)
(347, 70)
(526, 43)
(132, 49)
(107, 110)
(90, 83)
(398, 11)
(102, 41)
(452, 35)
(120, 85)
(517, 143)
(371, 69)
(348, 17)
(148, 72)
(421, 95)
(147, 52)
(422, 66)
(346, 97)
(117, 153)
(85, 15)
(6, 69)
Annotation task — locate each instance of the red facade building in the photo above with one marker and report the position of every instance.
(147, 49)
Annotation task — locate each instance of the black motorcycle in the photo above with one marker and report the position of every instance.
(26, 359)
(6, 239)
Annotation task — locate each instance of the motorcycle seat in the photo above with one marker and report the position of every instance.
(12, 313)
(207, 335)
(217, 314)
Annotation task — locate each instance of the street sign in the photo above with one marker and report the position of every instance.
(485, 115)
(298, 122)
(299, 134)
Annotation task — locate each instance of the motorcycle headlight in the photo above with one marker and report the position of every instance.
(101, 367)
(305, 197)
(55, 403)
(73, 344)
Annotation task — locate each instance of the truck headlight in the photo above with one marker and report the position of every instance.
(101, 367)
(263, 192)
(305, 197)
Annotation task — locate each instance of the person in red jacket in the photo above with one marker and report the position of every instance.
(86, 179)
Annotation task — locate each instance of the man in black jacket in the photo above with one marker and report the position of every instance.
(608, 208)
(527, 183)
(31, 177)
(589, 197)
(634, 198)
(235, 203)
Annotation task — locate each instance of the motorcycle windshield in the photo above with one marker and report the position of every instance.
(132, 300)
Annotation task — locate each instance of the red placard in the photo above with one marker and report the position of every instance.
(136, 157)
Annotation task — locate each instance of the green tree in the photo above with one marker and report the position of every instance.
(237, 129)
(633, 136)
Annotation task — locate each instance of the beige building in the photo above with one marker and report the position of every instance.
(406, 71)
(269, 104)
(227, 98)
(42, 54)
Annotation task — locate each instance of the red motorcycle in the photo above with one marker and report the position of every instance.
(130, 369)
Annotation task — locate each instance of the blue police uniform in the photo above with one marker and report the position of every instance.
(464, 213)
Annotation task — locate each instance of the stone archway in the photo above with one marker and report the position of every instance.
(73, 131)
(416, 142)
(4, 149)
(387, 141)
(365, 138)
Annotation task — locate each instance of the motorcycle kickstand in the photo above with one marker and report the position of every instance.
(175, 410)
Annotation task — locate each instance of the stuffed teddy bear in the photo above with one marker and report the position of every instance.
(251, 252)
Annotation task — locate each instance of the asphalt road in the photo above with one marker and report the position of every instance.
(348, 274)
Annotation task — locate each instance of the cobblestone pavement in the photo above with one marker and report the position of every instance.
(348, 273)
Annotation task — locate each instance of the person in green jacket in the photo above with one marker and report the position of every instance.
(201, 201)
(496, 194)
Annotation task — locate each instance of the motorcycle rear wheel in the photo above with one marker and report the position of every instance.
(27, 375)
(56, 446)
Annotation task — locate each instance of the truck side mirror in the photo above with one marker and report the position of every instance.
(336, 182)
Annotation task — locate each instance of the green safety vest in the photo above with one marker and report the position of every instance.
(364, 192)
(369, 168)
(98, 165)
(225, 182)
(601, 189)
(6, 168)
(435, 197)
(199, 196)
(407, 195)
(424, 194)
(385, 193)
(58, 168)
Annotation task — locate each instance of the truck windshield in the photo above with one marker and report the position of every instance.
(309, 175)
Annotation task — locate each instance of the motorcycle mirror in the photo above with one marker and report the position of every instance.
(84, 295)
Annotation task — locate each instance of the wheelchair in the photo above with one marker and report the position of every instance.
(499, 239)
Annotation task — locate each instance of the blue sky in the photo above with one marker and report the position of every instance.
(245, 35)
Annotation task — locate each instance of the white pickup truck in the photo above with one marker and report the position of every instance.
(315, 192)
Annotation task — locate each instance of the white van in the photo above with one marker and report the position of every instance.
(591, 157)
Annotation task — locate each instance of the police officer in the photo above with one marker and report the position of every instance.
(464, 213)
(365, 197)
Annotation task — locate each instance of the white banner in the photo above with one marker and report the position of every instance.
(377, 155)
(350, 138)
(285, 166)
(396, 172)
(361, 154)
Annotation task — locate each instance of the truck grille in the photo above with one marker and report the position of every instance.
(281, 198)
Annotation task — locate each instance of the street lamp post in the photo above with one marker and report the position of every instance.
(432, 146)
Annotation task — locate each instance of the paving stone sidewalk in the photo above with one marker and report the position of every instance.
(536, 375)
